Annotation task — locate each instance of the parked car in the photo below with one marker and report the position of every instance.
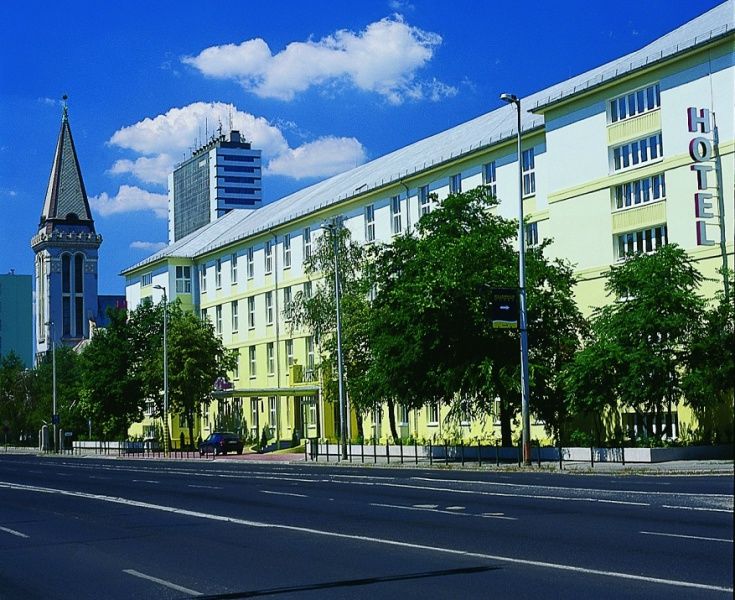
(221, 442)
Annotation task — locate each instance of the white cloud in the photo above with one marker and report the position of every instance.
(180, 129)
(148, 246)
(323, 157)
(383, 59)
(147, 169)
(130, 199)
(168, 138)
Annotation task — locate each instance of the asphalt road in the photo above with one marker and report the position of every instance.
(92, 528)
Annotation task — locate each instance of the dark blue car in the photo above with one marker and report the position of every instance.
(221, 442)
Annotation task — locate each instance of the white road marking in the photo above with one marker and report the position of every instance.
(145, 481)
(205, 487)
(446, 512)
(426, 506)
(284, 494)
(725, 510)
(687, 537)
(455, 508)
(163, 582)
(14, 532)
(369, 539)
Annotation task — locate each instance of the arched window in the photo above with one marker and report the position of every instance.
(79, 295)
(66, 280)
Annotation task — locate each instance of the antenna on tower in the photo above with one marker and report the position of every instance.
(64, 114)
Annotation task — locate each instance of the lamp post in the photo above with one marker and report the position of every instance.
(165, 368)
(334, 227)
(525, 388)
(54, 417)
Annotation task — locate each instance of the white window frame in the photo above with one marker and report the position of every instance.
(634, 103)
(236, 368)
(235, 316)
(233, 268)
(307, 242)
(455, 183)
(531, 230)
(273, 413)
(424, 200)
(203, 279)
(287, 299)
(529, 172)
(308, 289)
(370, 223)
(637, 152)
(251, 263)
(252, 362)
(641, 241)
(270, 355)
(218, 319)
(146, 279)
(289, 352)
(251, 312)
(309, 349)
(269, 308)
(639, 191)
(183, 279)
(396, 222)
(433, 414)
(268, 257)
(287, 251)
(490, 177)
(218, 273)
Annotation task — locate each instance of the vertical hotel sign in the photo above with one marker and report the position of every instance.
(701, 150)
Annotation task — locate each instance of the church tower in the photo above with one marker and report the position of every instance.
(66, 252)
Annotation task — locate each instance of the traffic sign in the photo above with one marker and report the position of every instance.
(55, 420)
(504, 308)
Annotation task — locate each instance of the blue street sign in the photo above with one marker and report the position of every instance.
(55, 419)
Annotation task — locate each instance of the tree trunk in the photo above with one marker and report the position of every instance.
(190, 423)
(392, 420)
(506, 439)
(360, 429)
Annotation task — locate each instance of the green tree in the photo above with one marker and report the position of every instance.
(68, 387)
(317, 314)
(111, 393)
(639, 345)
(17, 412)
(431, 336)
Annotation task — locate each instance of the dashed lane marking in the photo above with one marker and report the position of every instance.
(14, 532)
(163, 582)
(449, 511)
(686, 537)
(284, 494)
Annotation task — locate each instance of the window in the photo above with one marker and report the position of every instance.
(307, 242)
(287, 251)
(489, 178)
(289, 353)
(529, 172)
(270, 353)
(433, 413)
(646, 240)
(218, 319)
(204, 315)
(183, 280)
(146, 279)
(233, 267)
(235, 319)
(402, 415)
(252, 362)
(370, 223)
(218, 274)
(268, 258)
(251, 263)
(395, 210)
(531, 234)
(307, 289)
(424, 200)
(254, 404)
(287, 298)
(236, 367)
(251, 312)
(310, 353)
(455, 184)
(273, 410)
(640, 191)
(637, 152)
(269, 308)
(635, 103)
(203, 278)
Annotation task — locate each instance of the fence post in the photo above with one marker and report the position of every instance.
(306, 454)
(387, 451)
(431, 455)
(622, 450)
(497, 455)
(539, 454)
(479, 453)
(462, 451)
(446, 454)
(520, 450)
(592, 456)
(400, 445)
(362, 450)
(561, 455)
(416, 450)
(375, 450)
(327, 450)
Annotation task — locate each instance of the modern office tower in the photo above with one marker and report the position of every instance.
(16, 316)
(222, 175)
(66, 253)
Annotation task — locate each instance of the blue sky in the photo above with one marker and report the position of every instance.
(320, 86)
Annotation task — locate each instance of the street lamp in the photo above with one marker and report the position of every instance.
(165, 368)
(54, 417)
(525, 388)
(334, 227)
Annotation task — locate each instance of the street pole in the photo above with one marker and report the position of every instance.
(334, 227)
(50, 325)
(525, 386)
(165, 369)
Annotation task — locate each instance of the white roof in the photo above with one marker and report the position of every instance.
(483, 131)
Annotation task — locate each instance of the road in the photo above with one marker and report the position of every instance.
(95, 528)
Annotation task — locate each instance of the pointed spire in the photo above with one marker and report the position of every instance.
(66, 198)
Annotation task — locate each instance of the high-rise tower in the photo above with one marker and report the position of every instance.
(66, 253)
